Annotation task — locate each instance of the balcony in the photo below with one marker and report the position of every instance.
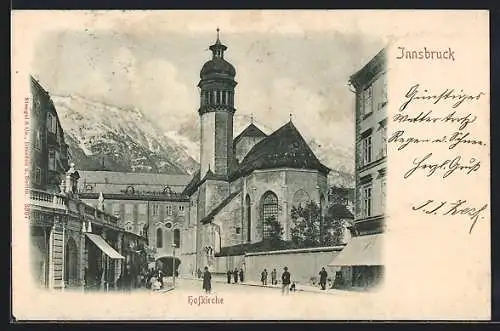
(45, 199)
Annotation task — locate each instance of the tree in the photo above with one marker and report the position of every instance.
(307, 222)
(334, 224)
(311, 229)
(275, 229)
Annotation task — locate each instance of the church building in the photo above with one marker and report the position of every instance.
(246, 180)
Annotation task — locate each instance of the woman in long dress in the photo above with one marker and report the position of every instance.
(207, 280)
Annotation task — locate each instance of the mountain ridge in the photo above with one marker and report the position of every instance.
(102, 136)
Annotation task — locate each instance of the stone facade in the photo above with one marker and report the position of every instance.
(371, 145)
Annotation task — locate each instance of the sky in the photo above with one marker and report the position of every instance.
(279, 72)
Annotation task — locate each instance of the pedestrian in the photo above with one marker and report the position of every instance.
(322, 278)
(159, 276)
(241, 275)
(229, 276)
(207, 281)
(273, 277)
(285, 281)
(235, 275)
(264, 276)
(199, 273)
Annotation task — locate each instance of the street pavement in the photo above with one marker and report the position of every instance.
(187, 301)
(239, 301)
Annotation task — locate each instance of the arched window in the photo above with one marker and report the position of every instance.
(177, 238)
(159, 238)
(300, 198)
(249, 218)
(269, 211)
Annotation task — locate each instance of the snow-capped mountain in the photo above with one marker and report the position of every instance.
(119, 139)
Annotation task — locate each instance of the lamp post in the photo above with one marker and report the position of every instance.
(173, 265)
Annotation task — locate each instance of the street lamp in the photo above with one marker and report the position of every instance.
(173, 265)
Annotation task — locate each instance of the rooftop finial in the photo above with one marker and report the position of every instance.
(251, 118)
(290, 116)
(218, 40)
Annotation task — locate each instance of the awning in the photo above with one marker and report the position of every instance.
(104, 246)
(361, 251)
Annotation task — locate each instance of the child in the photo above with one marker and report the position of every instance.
(292, 287)
(156, 284)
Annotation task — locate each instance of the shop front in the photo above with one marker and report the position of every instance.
(359, 265)
(100, 273)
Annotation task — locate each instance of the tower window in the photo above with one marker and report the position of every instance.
(214, 97)
(219, 97)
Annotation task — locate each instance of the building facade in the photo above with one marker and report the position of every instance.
(73, 245)
(49, 152)
(148, 205)
(360, 260)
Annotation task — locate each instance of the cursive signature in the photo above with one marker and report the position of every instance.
(448, 166)
(445, 208)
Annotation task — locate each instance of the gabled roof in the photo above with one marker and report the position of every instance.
(285, 147)
(219, 207)
(250, 131)
(196, 181)
(377, 64)
(193, 184)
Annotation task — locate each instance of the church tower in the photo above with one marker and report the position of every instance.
(216, 112)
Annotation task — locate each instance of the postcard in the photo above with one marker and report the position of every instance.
(250, 165)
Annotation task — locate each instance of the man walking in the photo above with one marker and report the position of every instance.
(285, 281)
(273, 277)
(322, 278)
(229, 276)
(241, 275)
(207, 281)
(235, 275)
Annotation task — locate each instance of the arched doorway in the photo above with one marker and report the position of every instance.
(248, 213)
(167, 264)
(269, 210)
(70, 263)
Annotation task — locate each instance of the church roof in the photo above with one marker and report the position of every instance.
(217, 66)
(285, 147)
(250, 131)
(219, 207)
